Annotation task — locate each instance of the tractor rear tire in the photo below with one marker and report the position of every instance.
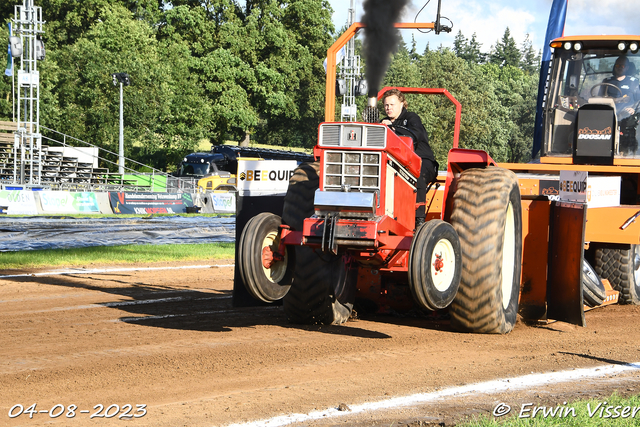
(621, 267)
(487, 215)
(321, 291)
(593, 291)
(266, 284)
(434, 265)
(298, 202)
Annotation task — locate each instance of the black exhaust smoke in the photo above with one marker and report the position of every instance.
(381, 38)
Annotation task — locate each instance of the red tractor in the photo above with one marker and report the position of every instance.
(347, 232)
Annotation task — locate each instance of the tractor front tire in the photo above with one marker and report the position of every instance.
(487, 215)
(434, 265)
(621, 267)
(321, 291)
(266, 284)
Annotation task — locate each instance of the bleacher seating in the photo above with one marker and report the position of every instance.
(58, 171)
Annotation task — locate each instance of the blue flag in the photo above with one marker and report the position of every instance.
(9, 70)
(555, 29)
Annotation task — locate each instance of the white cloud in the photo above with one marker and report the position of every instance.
(602, 17)
(489, 19)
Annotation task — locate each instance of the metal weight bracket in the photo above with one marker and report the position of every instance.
(329, 234)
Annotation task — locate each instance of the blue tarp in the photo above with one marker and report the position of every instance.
(31, 233)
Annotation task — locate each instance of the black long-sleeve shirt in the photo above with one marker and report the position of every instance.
(412, 121)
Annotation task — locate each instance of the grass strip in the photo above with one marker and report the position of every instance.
(124, 254)
(616, 411)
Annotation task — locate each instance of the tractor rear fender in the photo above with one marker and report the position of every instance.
(461, 159)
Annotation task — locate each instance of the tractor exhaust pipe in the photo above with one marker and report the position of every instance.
(371, 113)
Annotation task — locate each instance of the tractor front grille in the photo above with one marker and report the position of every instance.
(351, 170)
(353, 135)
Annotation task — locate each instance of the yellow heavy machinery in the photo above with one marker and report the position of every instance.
(216, 170)
(590, 122)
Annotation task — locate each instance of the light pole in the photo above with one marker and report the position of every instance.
(124, 80)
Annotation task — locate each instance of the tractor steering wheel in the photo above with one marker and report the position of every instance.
(606, 90)
(413, 134)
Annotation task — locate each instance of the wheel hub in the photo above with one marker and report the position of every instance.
(443, 265)
(438, 264)
(269, 257)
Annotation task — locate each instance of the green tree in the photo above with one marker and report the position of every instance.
(506, 51)
(163, 109)
(469, 50)
(473, 53)
(460, 44)
(530, 61)
(260, 66)
(498, 103)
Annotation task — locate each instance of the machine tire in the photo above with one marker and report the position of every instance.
(265, 284)
(321, 291)
(621, 267)
(298, 202)
(487, 215)
(434, 241)
(593, 291)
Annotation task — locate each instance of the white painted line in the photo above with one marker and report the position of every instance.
(111, 270)
(489, 387)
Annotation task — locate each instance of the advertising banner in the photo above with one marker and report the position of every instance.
(223, 202)
(18, 202)
(150, 203)
(595, 191)
(573, 186)
(264, 177)
(67, 202)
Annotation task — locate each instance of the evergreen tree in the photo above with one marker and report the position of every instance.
(460, 45)
(469, 50)
(530, 62)
(414, 52)
(473, 53)
(506, 51)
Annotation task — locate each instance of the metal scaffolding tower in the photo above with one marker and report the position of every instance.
(28, 26)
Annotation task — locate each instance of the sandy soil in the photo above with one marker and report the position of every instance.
(171, 340)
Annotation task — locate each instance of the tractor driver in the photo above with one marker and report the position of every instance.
(627, 98)
(628, 94)
(406, 123)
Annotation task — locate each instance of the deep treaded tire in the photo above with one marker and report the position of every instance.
(298, 202)
(487, 215)
(265, 284)
(321, 291)
(434, 265)
(593, 291)
(621, 267)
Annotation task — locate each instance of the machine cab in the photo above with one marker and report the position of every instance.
(591, 116)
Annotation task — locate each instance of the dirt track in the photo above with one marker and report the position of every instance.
(171, 340)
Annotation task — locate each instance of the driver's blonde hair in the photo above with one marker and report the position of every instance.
(397, 93)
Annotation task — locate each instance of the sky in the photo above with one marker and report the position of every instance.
(489, 19)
